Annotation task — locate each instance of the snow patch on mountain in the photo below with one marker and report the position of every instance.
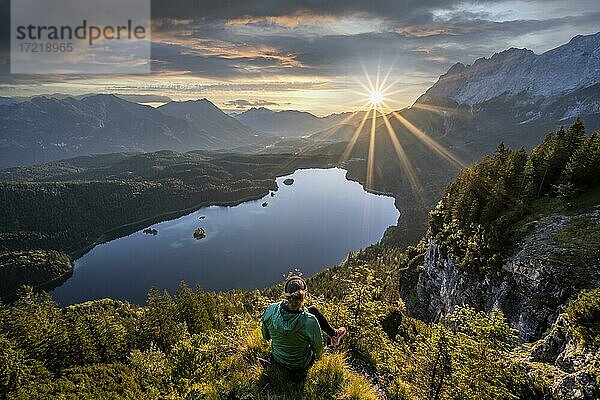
(581, 108)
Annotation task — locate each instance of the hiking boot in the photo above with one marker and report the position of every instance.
(337, 338)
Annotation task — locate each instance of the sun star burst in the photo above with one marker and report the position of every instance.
(376, 98)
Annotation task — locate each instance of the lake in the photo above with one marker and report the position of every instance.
(309, 225)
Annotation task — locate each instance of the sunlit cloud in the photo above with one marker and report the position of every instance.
(275, 41)
(303, 23)
(235, 51)
(420, 32)
(288, 21)
(242, 103)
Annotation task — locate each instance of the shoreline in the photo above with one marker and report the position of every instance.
(113, 233)
(129, 228)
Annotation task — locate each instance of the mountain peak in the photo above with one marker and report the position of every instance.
(516, 50)
(198, 105)
(204, 114)
(42, 100)
(455, 69)
(257, 110)
(585, 38)
(289, 123)
(503, 56)
(104, 97)
(107, 100)
(519, 70)
(513, 52)
(105, 123)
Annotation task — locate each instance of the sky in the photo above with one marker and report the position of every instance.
(312, 55)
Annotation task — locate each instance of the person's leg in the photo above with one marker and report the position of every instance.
(323, 323)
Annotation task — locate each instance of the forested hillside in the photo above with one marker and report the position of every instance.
(517, 232)
(194, 344)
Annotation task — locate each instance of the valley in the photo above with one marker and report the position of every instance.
(486, 230)
(456, 239)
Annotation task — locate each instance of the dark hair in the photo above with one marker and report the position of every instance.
(295, 291)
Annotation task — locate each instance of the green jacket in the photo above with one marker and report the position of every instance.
(295, 336)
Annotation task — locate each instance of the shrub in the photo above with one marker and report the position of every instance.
(358, 387)
(326, 377)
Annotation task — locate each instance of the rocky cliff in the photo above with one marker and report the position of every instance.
(571, 364)
(557, 258)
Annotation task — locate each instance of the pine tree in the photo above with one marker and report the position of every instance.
(549, 159)
(583, 169)
(159, 322)
(82, 341)
(191, 310)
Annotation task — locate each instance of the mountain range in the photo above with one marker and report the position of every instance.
(514, 96)
(136, 98)
(514, 71)
(291, 123)
(45, 129)
(205, 115)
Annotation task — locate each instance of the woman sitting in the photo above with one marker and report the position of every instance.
(295, 330)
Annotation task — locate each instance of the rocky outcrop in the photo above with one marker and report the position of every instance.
(549, 266)
(571, 365)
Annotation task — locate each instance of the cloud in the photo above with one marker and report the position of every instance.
(281, 45)
(312, 38)
(226, 52)
(241, 103)
(288, 21)
(227, 61)
(235, 9)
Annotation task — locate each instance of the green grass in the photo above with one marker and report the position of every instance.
(329, 378)
(546, 206)
(583, 315)
(582, 232)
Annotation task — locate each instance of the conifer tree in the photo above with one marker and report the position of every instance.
(159, 322)
(583, 169)
(191, 309)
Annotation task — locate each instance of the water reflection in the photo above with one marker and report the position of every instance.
(309, 224)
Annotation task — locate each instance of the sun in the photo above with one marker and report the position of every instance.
(376, 98)
(377, 108)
